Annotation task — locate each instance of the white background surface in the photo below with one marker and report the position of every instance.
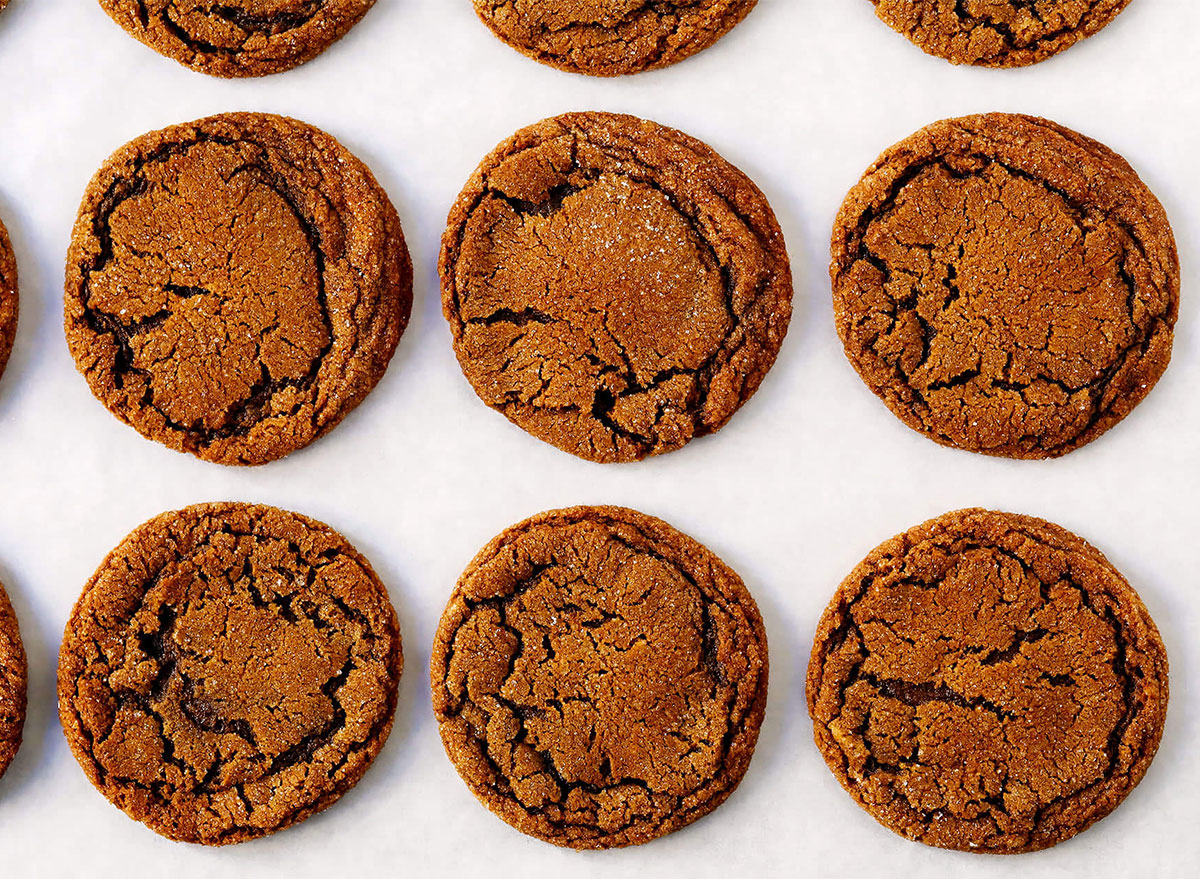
(811, 474)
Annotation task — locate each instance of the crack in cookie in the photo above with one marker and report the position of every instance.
(987, 682)
(599, 678)
(229, 671)
(222, 303)
(236, 38)
(1005, 285)
(997, 33)
(613, 287)
(611, 37)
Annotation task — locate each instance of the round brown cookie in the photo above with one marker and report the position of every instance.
(8, 298)
(13, 677)
(599, 679)
(997, 33)
(236, 38)
(987, 682)
(1005, 285)
(611, 37)
(229, 670)
(613, 286)
(235, 286)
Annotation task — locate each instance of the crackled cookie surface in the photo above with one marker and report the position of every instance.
(1005, 285)
(614, 287)
(236, 38)
(611, 37)
(987, 682)
(8, 298)
(235, 286)
(599, 679)
(997, 33)
(13, 676)
(228, 671)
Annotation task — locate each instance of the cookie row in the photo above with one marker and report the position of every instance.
(985, 681)
(606, 38)
(235, 286)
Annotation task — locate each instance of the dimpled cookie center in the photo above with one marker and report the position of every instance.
(983, 692)
(1007, 303)
(618, 273)
(232, 673)
(215, 285)
(613, 683)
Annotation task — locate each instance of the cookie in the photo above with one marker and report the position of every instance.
(13, 677)
(1005, 285)
(599, 679)
(614, 287)
(8, 298)
(997, 33)
(235, 286)
(230, 670)
(238, 38)
(611, 37)
(987, 682)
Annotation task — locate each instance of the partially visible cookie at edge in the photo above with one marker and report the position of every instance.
(987, 682)
(238, 38)
(235, 286)
(599, 678)
(998, 33)
(1005, 285)
(9, 298)
(228, 671)
(614, 287)
(13, 681)
(611, 37)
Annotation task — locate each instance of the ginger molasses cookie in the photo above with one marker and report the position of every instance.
(614, 287)
(611, 37)
(599, 679)
(13, 676)
(1005, 285)
(235, 286)
(997, 33)
(987, 682)
(236, 38)
(8, 298)
(230, 670)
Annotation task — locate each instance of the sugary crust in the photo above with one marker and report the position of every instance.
(543, 649)
(987, 682)
(360, 290)
(238, 38)
(998, 33)
(621, 37)
(928, 298)
(577, 363)
(229, 670)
